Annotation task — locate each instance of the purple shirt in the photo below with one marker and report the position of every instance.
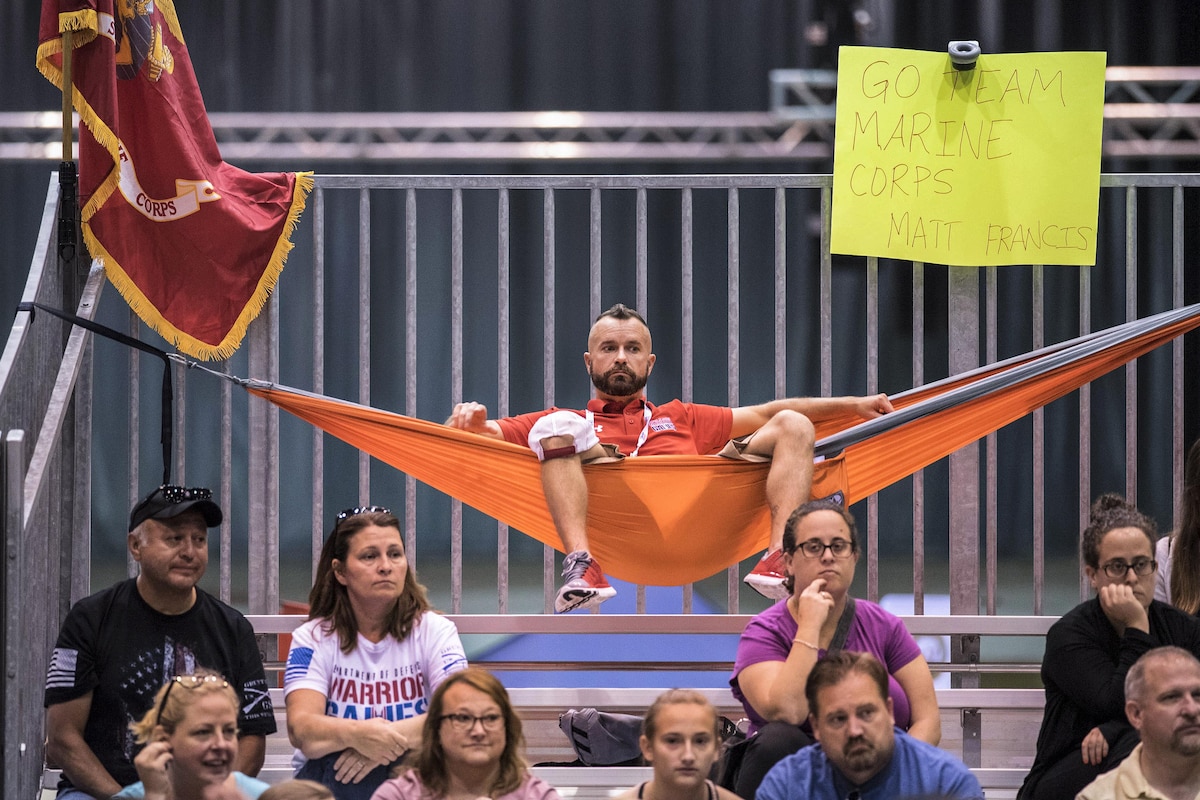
(768, 637)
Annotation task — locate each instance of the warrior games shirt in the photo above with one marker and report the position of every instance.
(376, 679)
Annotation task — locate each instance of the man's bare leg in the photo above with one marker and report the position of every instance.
(566, 497)
(787, 439)
(566, 493)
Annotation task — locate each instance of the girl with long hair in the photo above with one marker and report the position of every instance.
(1178, 555)
(681, 741)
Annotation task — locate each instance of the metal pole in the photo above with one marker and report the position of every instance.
(14, 447)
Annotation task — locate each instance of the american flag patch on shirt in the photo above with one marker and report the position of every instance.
(61, 673)
(297, 663)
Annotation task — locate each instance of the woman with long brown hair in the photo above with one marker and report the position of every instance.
(361, 669)
(471, 747)
(1178, 555)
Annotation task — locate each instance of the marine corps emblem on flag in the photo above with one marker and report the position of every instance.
(139, 39)
(193, 244)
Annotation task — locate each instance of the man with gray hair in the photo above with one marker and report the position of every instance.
(117, 647)
(1162, 701)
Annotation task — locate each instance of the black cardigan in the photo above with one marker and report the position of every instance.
(1084, 675)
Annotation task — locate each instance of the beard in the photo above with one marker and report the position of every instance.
(627, 388)
(864, 758)
(1186, 744)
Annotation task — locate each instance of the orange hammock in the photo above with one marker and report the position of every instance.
(670, 520)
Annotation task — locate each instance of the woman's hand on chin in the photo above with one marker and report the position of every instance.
(1123, 608)
(814, 603)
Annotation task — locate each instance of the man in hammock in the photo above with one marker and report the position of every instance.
(620, 423)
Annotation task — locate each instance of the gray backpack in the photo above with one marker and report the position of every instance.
(602, 738)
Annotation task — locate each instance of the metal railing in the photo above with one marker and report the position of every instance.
(414, 292)
(729, 240)
(45, 406)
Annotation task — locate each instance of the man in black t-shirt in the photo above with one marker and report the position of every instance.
(116, 648)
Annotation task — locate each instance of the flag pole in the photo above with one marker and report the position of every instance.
(68, 177)
(68, 124)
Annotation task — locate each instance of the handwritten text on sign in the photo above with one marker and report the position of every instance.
(990, 166)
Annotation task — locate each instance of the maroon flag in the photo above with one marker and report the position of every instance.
(193, 244)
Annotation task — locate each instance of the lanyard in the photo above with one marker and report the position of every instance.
(591, 418)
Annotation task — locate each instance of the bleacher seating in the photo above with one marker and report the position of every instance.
(993, 729)
(1000, 725)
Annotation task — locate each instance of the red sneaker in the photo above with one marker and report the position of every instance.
(768, 575)
(583, 586)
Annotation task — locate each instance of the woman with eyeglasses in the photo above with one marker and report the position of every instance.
(471, 747)
(1088, 651)
(361, 669)
(779, 647)
(191, 742)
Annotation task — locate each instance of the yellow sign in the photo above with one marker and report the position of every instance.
(995, 165)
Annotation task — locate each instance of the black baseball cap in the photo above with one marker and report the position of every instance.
(170, 501)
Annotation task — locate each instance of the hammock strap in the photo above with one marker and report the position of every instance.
(166, 431)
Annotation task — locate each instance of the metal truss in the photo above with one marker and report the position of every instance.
(503, 136)
(1149, 112)
(1152, 112)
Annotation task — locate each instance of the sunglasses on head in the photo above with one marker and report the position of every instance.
(342, 516)
(190, 682)
(178, 494)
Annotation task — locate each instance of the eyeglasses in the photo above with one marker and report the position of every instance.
(464, 722)
(354, 512)
(190, 682)
(1140, 566)
(815, 548)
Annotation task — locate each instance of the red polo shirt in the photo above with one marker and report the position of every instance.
(675, 428)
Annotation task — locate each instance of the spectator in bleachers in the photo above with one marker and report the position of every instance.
(360, 670)
(190, 744)
(471, 747)
(1178, 555)
(1089, 651)
(860, 753)
(1162, 701)
(681, 741)
(117, 647)
(780, 646)
(620, 422)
